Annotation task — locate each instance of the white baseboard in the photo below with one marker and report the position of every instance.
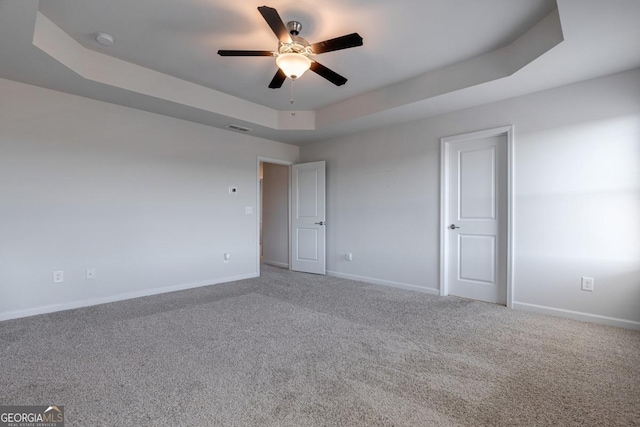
(577, 315)
(430, 291)
(276, 264)
(119, 297)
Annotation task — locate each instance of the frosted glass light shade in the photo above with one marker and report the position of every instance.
(293, 64)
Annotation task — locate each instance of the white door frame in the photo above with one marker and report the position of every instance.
(445, 144)
(259, 210)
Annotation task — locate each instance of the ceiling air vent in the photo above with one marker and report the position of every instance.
(238, 128)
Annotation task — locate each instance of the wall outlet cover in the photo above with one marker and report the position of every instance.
(587, 284)
(58, 276)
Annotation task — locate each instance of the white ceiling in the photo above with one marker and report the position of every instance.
(413, 51)
(401, 39)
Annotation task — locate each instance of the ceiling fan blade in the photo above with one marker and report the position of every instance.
(245, 53)
(278, 79)
(344, 42)
(275, 22)
(328, 74)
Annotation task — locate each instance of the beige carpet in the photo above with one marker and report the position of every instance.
(291, 349)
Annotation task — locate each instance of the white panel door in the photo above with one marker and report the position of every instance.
(477, 226)
(308, 217)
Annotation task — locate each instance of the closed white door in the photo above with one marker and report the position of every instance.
(476, 229)
(308, 217)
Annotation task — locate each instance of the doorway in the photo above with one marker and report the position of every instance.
(291, 220)
(273, 212)
(476, 216)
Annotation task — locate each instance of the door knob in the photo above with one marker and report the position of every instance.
(453, 226)
(321, 223)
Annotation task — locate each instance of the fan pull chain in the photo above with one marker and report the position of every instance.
(293, 113)
(292, 82)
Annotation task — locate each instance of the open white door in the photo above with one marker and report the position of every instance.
(475, 215)
(308, 217)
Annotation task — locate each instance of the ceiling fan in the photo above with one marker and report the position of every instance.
(294, 53)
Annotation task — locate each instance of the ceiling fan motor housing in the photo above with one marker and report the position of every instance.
(297, 45)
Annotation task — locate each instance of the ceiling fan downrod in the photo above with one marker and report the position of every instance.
(294, 27)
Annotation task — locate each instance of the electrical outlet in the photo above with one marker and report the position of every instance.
(587, 284)
(58, 276)
(91, 273)
(227, 257)
(348, 256)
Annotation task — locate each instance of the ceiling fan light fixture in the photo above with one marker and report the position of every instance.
(293, 64)
(294, 53)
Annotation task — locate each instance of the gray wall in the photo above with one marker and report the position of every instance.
(140, 197)
(275, 214)
(144, 200)
(576, 207)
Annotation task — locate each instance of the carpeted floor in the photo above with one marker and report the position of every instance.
(291, 349)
